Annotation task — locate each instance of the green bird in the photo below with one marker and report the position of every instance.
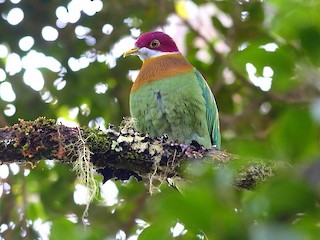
(170, 96)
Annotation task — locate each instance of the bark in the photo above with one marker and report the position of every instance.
(114, 153)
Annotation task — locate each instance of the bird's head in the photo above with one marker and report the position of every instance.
(153, 44)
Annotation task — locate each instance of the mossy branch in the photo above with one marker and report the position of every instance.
(114, 153)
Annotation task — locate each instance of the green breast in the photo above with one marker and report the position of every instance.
(174, 106)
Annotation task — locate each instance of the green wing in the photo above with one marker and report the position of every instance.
(212, 114)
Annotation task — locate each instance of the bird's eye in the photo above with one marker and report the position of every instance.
(155, 43)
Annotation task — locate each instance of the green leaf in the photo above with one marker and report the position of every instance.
(156, 231)
(294, 134)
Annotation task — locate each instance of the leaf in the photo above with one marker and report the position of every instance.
(294, 134)
(155, 231)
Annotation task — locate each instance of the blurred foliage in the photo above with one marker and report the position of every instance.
(261, 59)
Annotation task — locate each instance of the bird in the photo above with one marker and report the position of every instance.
(170, 96)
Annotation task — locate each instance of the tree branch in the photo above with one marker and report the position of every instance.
(114, 154)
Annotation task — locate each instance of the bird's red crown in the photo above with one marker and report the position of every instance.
(157, 41)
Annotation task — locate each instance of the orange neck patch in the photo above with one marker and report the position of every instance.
(164, 66)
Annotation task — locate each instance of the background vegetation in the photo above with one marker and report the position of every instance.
(261, 59)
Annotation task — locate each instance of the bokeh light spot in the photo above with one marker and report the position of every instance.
(34, 79)
(46, 96)
(85, 109)
(101, 88)
(73, 113)
(9, 110)
(52, 64)
(4, 171)
(267, 71)
(74, 64)
(6, 92)
(59, 83)
(3, 51)
(107, 29)
(109, 193)
(81, 31)
(15, 16)
(62, 14)
(26, 43)
(80, 195)
(263, 82)
(49, 33)
(270, 47)
(3, 75)
(13, 64)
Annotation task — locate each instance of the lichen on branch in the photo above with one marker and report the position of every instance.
(115, 153)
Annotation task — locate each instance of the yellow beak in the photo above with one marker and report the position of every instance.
(131, 51)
